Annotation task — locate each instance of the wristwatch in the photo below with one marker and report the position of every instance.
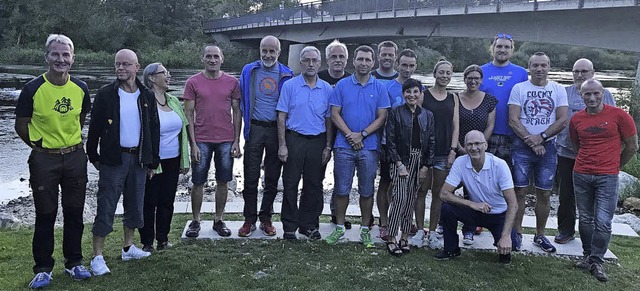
(364, 133)
(544, 136)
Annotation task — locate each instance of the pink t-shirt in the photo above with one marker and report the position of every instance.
(213, 122)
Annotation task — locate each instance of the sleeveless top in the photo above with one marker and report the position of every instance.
(442, 121)
(476, 119)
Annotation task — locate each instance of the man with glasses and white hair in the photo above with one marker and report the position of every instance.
(124, 122)
(582, 71)
(305, 138)
(50, 114)
(212, 107)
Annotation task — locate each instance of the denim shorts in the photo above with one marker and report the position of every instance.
(526, 162)
(346, 161)
(222, 160)
(440, 163)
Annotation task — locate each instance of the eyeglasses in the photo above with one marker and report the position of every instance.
(166, 73)
(581, 72)
(308, 61)
(126, 65)
(475, 144)
(476, 79)
(504, 35)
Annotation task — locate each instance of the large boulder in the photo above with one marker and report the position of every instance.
(631, 203)
(8, 221)
(625, 180)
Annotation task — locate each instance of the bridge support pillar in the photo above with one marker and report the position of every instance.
(294, 57)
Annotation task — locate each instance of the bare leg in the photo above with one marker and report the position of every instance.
(436, 203)
(521, 193)
(542, 210)
(128, 236)
(341, 208)
(98, 245)
(382, 197)
(197, 192)
(366, 205)
(221, 198)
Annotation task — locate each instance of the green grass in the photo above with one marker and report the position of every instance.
(233, 264)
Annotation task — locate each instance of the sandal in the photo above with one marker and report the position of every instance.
(404, 246)
(393, 249)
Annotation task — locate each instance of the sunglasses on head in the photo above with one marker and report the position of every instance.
(504, 35)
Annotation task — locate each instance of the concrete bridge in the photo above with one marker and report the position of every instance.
(611, 24)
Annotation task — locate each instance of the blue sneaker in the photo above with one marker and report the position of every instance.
(78, 272)
(542, 242)
(41, 280)
(517, 242)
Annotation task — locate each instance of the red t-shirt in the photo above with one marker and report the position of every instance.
(213, 122)
(600, 139)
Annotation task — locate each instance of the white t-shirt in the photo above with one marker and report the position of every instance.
(170, 127)
(486, 185)
(129, 118)
(538, 104)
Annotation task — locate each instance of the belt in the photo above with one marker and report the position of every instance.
(307, 136)
(264, 123)
(133, 150)
(60, 151)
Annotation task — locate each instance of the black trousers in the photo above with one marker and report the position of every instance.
(47, 173)
(304, 161)
(262, 140)
(159, 195)
(566, 196)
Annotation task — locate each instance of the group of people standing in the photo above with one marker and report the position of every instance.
(489, 138)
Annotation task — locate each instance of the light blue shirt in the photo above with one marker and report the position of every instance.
(266, 93)
(360, 105)
(306, 107)
(394, 88)
(486, 185)
(576, 104)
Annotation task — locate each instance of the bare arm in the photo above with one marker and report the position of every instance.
(455, 121)
(515, 123)
(237, 127)
(326, 152)
(337, 120)
(630, 148)
(560, 123)
(504, 244)
(491, 123)
(446, 194)
(283, 152)
(189, 109)
(22, 129)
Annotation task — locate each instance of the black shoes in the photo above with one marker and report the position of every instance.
(597, 270)
(289, 235)
(312, 234)
(147, 248)
(163, 245)
(445, 255)
(194, 229)
(221, 228)
(504, 259)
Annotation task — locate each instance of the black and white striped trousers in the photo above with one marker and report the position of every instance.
(404, 195)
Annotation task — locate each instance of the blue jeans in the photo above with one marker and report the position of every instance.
(222, 161)
(596, 198)
(526, 162)
(345, 163)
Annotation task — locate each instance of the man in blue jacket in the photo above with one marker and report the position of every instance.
(261, 83)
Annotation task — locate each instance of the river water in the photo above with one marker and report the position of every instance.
(13, 160)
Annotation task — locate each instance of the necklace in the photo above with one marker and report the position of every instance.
(165, 102)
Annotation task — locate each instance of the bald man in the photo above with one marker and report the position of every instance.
(492, 200)
(260, 84)
(124, 121)
(605, 139)
(582, 70)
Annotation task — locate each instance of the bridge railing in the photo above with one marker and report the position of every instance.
(321, 11)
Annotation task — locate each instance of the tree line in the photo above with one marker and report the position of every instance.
(170, 31)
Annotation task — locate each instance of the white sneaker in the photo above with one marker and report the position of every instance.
(134, 253)
(439, 231)
(434, 242)
(418, 239)
(99, 266)
(467, 238)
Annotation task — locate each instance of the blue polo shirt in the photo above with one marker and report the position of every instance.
(395, 93)
(306, 107)
(359, 107)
